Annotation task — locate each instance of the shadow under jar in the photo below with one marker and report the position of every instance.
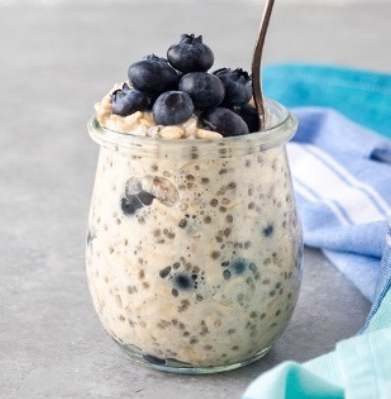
(194, 246)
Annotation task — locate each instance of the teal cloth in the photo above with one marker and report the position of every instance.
(363, 96)
(359, 367)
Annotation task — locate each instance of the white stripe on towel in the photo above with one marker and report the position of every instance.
(335, 184)
(307, 194)
(377, 200)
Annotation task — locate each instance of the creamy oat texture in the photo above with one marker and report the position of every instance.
(207, 270)
(143, 124)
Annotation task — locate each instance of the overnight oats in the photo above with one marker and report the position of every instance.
(194, 246)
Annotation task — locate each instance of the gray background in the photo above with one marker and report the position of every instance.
(57, 59)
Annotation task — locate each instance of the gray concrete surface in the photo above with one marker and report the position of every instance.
(55, 62)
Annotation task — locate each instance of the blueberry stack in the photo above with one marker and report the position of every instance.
(175, 88)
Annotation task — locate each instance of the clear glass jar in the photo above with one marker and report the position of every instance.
(194, 247)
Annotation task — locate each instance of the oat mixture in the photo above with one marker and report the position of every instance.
(192, 261)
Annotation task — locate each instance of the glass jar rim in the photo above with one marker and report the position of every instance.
(281, 127)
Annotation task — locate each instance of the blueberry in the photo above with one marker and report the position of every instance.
(250, 115)
(206, 90)
(239, 266)
(154, 360)
(172, 108)
(127, 101)
(268, 231)
(153, 75)
(236, 268)
(225, 122)
(190, 55)
(145, 197)
(183, 281)
(90, 236)
(237, 84)
(130, 204)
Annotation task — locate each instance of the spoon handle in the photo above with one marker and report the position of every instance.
(256, 63)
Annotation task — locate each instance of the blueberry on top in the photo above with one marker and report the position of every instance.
(126, 101)
(172, 108)
(251, 117)
(153, 75)
(225, 122)
(237, 83)
(206, 90)
(190, 54)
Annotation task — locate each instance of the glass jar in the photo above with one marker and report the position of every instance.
(194, 246)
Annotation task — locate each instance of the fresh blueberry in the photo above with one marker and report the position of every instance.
(172, 108)
(127, 101)
(206, 90)
(268, 231)
(236, 268)
(225, 122)
(183, 281)
(154, 360)
(145, 197)
(190, 55)
(153, 75)
(90, 236)
(239, 266)
(126, 87)
(250, 115)
(130, 204)
(237, 84)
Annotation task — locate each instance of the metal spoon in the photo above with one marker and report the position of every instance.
(256, 63)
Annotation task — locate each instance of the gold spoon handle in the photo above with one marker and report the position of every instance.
(256, 63)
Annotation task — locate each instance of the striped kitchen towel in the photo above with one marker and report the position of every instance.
(342, 179)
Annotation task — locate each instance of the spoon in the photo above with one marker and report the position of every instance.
(256, 63)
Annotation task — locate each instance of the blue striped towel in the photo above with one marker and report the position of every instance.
(342, 179)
